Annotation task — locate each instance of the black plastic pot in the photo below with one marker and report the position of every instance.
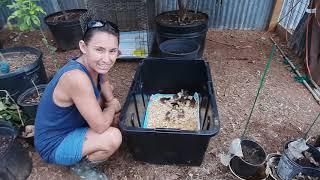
(180, 48)
(18, 81)
(67, 33)
(15, 162)
(288, 168)
(30, 108)
(196, 31)
(246, 170)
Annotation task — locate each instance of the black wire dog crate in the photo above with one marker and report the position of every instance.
(165, 145)
(134, 19)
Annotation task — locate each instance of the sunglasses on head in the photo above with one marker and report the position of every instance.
(98, 24)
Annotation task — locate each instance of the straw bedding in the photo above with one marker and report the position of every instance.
(178, 111)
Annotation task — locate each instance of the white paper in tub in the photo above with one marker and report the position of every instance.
(155, 97)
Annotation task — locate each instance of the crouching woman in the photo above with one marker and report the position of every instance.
(76, 120)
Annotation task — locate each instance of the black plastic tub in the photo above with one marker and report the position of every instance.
(288, 168)
(66, 33)
(169, 146)
(195, 31)
(18, 81)
(179, 48)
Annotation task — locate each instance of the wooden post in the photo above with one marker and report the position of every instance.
(275, 15)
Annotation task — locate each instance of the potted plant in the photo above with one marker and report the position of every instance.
(11, 112)
(29, 100)
(26, 15)
(299, 158)
(21, 65)
(182, 24)
(65, 27)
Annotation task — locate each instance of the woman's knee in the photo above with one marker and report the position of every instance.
(114, 137)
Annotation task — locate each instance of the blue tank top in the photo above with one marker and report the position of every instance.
(53, 123)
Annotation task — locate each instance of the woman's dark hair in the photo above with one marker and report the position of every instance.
(100, 26)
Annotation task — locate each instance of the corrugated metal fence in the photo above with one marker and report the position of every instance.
(291, 13)
(228, 14)
(223, 14)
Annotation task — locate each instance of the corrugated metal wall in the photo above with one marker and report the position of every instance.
(223, 14)
(291, 13)
(228, 14)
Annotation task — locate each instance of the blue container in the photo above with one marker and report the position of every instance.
(4, 67)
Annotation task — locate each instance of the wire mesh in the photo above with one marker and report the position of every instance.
(134, 19)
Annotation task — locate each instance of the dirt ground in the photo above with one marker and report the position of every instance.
(237, 59)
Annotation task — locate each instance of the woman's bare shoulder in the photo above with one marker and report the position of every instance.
(75, 80)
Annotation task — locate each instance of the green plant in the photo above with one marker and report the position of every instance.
(10, 111)
(183, 5)
(62, 10)
(183, 9)
(26, 13)
(51, 49)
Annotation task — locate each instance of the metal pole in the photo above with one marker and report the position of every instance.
(313, 123)
(297, 72)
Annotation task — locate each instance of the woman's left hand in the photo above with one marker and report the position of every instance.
(115, 103)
